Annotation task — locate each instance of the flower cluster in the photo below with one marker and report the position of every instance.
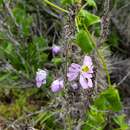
(81, 72)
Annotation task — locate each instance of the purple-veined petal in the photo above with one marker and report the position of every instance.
(83, 82)
(86, 75)
(55, 88)
(87, 61)
(74, 67)
(41, 76)
(90, 83)
(39, 84)
(73, 71)
(57, 85)
(72, 76)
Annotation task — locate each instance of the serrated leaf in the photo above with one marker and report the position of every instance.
(84, 41)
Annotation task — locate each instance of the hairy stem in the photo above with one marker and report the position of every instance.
(101, 58)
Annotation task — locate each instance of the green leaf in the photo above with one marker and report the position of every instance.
(40, 42)
(120, 120)
(43, 117)
(113, 98)
(83, 39)
(4, 76)
(6, 47)
(56, 61)
(91, 3)
(109, 100)
(95, 119)
(88, 18)
(101, 103)
(23, 19)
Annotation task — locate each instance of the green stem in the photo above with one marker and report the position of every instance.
(105, 67)
(55, 6)
(101, 58)
(76, 23)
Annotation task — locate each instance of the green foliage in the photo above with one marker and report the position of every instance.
(87, 18)
(109, 100)
(9, 78)
(27, 58)
(56, 61)
(120, 121)
(96, 119)
(83, 39)
(91, 3)
(23, 20)
(15, 102)
(67, 2)
(45, 119)
(5, 47)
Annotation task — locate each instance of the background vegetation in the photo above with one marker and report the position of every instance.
(29, 29)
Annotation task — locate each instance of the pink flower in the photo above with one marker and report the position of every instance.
(40, 77)
(84, 72)
(56, 49)
(57, 85)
